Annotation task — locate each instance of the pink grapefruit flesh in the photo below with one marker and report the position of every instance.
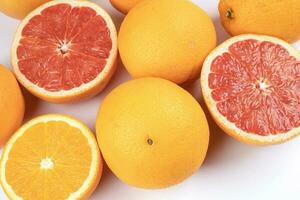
(254, 83)
(64, 47)
(65, 50)
(257, 87)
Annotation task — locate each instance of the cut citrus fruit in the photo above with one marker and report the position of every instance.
(51, 157)
(65, 50)
(251, 86)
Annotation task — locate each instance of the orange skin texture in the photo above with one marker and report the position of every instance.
(152, 133)
(19, 9)
(12, 105)
(167, 39)
(124, 6)
(279, 18)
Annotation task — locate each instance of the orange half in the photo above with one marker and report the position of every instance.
(51, 157)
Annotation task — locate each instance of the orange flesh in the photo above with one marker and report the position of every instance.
(64, 47)
(42, 166)
(257, 87)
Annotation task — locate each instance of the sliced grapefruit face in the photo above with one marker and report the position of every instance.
(65, 50)
(251, 85)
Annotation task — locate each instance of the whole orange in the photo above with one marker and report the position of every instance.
(167, 39)
(279, 18)
(124, 5)
(19, 9)
(152, 133)
(11, 105)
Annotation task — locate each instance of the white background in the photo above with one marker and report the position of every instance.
(231, 171)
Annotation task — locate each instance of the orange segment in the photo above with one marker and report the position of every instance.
(51, 157)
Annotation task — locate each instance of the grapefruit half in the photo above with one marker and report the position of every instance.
(65, 50)
(251, 85)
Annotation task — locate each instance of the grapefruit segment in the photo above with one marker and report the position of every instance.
(251, 85)
(65, 50)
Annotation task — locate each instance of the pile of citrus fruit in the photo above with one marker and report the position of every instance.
(150, 131)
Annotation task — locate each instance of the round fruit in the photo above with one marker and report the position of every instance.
(51, 157)
(250, 84)
(267, 17)
(166, 38)
(65, 50)
(152, 133)
(124, 5)
(11, 105)
(19, 9)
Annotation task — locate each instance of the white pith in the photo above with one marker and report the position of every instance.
(46, 164)
(64, 47)
(221, 120)
(109, 67)
(263, 85)
(94, 167)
